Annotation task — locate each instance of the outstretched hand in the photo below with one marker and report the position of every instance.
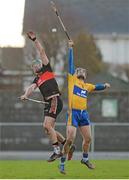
(31, 35)
(23, 97)
(71, 43)
(107, 85)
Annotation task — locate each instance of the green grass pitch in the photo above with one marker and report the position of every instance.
(34, 169)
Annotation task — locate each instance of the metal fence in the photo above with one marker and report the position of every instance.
(108, 137)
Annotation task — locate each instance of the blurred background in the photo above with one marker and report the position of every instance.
(100, 31)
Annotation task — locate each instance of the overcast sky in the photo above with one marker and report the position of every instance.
(11, 23)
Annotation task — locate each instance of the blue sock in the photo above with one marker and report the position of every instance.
(62, 160)
(85, 156)
(62, 167)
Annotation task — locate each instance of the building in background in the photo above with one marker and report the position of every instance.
(114, 47)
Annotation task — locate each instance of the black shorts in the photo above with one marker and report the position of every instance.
(54, 107)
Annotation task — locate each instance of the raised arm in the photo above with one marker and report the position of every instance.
(39, 47)
(71, 68)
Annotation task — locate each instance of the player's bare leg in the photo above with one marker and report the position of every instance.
(49, 124)
(86, 134)
(71, 134)
(60, 138)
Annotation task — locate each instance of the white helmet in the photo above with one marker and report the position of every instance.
(37, 65)
(81, 73)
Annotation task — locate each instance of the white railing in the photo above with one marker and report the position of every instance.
(93, 126)
(102, 124)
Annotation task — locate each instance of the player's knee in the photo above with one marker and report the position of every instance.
(46, 131)
(46, 128)
(70, 137)
(87, 140)
(69, 141)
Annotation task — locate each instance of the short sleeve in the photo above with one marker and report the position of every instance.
(35, 80)
(90, 87)
(47, 68)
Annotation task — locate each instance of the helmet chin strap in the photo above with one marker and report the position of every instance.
(81, 77)
(39, 70)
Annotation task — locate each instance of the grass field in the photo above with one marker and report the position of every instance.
(32, 169)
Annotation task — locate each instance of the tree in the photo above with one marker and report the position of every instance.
(86, 54)
(126, 70)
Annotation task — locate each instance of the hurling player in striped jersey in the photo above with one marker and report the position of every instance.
(46, 82)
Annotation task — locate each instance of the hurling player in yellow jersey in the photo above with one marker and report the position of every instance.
(78, 117)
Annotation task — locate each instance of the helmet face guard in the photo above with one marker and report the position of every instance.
(81, 73)
(36, 65)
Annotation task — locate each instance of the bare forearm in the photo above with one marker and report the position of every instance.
(39, 47)
(42, 52)
(43, 56)
(29, 91)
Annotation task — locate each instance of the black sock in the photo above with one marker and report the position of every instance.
(55, 144)
(63, 142)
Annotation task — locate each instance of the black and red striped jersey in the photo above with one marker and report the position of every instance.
(46, 81)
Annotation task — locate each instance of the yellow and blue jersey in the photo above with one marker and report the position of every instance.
(78, 92)
(77, 95)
